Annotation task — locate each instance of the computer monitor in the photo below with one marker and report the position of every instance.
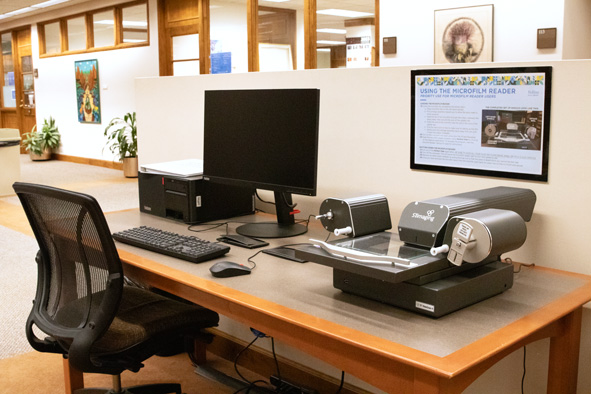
(264, 139)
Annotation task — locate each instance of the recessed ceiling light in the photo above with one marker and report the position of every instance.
(344, 13)
(329, 42)
(332, 31)
(31, 8)
(48, 3)
(19, 11)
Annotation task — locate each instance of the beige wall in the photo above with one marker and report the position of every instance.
(365, 148)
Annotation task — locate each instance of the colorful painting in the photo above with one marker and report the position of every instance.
(87, 91)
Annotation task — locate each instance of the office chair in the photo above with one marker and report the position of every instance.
(89, 316)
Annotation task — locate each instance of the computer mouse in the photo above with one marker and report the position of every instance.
(227, 269)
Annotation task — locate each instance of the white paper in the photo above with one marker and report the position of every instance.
(189, 167)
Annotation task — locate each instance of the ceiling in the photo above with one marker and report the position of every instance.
(13, 5)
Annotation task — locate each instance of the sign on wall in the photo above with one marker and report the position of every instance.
(488, 121)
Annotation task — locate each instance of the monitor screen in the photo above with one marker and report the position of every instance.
(265, 139)
(492, 121)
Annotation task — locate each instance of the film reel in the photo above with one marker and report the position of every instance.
(490, 130)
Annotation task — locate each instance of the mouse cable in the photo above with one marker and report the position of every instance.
(254, 265)
(238, 357)
(523, 377)
(256, 193)
(342, 382)
(275, 358)
(253, 384)
(307, 221)
(211, 226)
(508, 260)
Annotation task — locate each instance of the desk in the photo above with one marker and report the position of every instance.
(392, 349)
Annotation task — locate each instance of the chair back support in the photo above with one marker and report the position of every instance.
(80, 277)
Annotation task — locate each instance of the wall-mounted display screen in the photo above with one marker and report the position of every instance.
(484, 121)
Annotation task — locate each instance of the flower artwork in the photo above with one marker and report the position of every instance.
(87, 91)
(464, 35)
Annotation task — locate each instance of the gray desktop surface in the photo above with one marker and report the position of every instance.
(307, 287)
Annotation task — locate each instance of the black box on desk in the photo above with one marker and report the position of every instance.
(192, 199)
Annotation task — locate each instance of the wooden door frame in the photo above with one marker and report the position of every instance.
(18, 110)
(184, 27)
(310, 36)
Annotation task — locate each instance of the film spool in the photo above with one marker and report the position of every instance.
(490, 130)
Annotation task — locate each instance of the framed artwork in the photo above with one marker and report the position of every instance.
(88, 91)
(464, 35)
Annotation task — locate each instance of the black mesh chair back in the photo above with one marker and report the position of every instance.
(82, 304)
(80, 277)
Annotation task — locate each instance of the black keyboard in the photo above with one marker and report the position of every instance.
(184, 247)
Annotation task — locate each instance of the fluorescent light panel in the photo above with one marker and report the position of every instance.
(332, 31)
(32, 8)
(329, 42)
(19, 11)
(48, 3)
(344, 13)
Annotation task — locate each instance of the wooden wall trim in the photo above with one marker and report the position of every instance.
(252, 26)
(310, 35)
(204, 37)
(85, 160)
(377, 34)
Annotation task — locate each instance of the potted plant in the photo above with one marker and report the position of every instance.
(121, 136)
(40, 144)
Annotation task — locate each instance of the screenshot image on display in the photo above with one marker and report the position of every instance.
(264, 139)
(485, 121)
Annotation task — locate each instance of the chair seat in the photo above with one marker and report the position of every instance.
(143, 315)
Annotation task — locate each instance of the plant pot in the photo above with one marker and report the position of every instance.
(130, 167)
(46, 155)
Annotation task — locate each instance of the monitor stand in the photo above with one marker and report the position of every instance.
(284, 227)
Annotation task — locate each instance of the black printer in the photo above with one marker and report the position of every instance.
(192, 199)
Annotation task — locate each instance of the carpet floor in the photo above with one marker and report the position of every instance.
(23, 370)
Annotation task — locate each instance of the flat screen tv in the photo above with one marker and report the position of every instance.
(482, 121)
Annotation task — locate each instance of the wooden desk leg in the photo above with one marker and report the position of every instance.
(199, 352)
(563, 366)
(73, 379)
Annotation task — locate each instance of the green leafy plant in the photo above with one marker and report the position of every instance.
(32, 142)
(121, 136)
(38, 141)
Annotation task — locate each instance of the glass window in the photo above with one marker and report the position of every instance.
(190, 67)
(185, 54)
(135, 23)
(8, 87)
(76, 33)
(228, 36)
(52, 38)
(103, 27)
(345, 36)
(281, 35)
